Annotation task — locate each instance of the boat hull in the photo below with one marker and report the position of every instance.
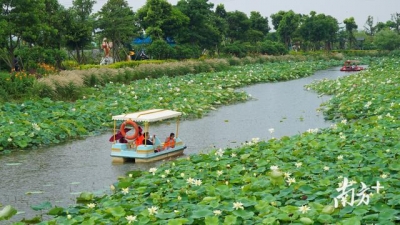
(143, 154)
(350, 69)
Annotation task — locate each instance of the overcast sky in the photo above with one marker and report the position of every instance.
(381, 10)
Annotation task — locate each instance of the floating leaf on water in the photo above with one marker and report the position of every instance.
(226, 121)
(34, 192)
(41, 206)
(48, 185)
(13, 164)
(75, 183)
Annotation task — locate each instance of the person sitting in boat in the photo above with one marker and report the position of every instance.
(122, 140)
(140, 137)
(169, 142)
(147, 140)
(353, 66)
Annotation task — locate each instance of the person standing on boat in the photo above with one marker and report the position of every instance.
(169, 141)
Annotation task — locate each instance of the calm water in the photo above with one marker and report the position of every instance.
(58, 174)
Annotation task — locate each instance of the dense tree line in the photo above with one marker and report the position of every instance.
(41, 30)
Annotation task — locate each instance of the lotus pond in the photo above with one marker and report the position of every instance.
(291, 180)
(36, 123)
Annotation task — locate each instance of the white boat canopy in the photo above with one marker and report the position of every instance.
(151, 115)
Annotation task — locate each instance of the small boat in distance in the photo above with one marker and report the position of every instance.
(351, 65)
(140, 151)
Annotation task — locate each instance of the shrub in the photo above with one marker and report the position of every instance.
(15, 85)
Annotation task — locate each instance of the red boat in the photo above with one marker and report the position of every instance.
(351, 65)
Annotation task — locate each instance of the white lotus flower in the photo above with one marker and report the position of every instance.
(125, 191)
(197, 182)
(303, 209)
(291, 181)
(152, 210)
(298, 164)
(238, 205)
(287, 175)
(131, 219)
(190, 180)
(274, 168)
(153, 170)
(217, 212)
(91, 205)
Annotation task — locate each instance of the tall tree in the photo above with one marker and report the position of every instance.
(276, 19)
(201, 29)
(81, 26)
(396, 22)
(288, 26)
(351, 26)
(369, 26)
(239, 24)
(116, 21)
(317, 28)
(160, 19)
(19, 20)
(259, 23)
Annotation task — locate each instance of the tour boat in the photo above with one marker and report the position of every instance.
(351, 65)
(143, 152)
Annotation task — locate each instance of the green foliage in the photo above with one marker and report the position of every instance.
(160, 49)
(67, 92)
(273, 48)
(15, 85)
(187, 51)
(33, 57)
(387, 40)
(70, 64)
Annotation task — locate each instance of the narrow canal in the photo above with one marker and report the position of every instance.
(58, 174)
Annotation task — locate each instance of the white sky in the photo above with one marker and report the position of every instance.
(381, 10)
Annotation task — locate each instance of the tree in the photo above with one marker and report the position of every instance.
(80, 27)
(318, 28)
(117, 22)
(19, 20)
(387, 40)
(380, 26)
(238, 24)
(276, 19)
(396, 22)
(259, 23)
(288, 26)
(350, 25)
(369, 26)
(202, 29)
(220, 11)
(160, 19)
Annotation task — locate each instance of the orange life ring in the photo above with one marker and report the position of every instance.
(134, 125)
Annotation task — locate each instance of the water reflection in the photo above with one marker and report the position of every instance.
(58, 174)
